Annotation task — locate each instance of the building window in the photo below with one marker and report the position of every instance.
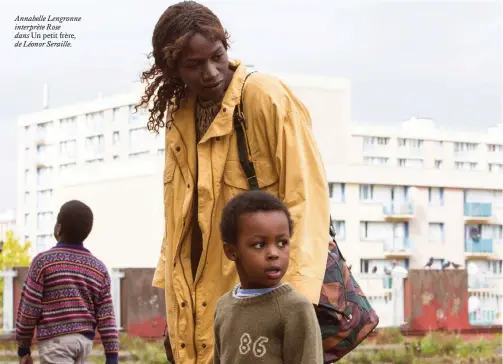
(495, 266)
(116, 114)
(411, 144)
(139, 140)
(29, 134)
(43, 130)
(116, 157)
(371, 144)
(68, 149)
(68, 128)
(438, 164)
(95, 161)
(410, 163)
(336, 191)
(376, 161)
(340, 229)
(27, 199)
(116, 138)
(95, 122)
(465, 147)
(139, 116)
(43, 243)
(26, 219)
(66, 169)
(44, 176)
(44, 199)
(466, 166)
(95, 146)
(495, 167)
(160, 152)
(494, 148)
(436, 196)
(367, 192)
(44, 221)
(436, 232)
(139, 155)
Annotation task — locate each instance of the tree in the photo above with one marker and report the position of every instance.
(12, 254)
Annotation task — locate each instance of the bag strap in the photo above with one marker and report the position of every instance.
(247, 165)
(240, 126)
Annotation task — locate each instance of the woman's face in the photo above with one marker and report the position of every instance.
(204, 68)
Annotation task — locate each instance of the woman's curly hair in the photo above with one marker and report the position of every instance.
(172, 32)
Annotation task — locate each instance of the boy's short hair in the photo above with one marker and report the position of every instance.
(249, 202)
(76, 220)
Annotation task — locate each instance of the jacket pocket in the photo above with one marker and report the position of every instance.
(236, 182)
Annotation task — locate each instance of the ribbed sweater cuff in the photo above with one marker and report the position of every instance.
(112, 358)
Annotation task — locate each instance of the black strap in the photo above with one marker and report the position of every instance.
(246, 163)
(240, 125)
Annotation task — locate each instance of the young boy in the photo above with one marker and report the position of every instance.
(262, 320)
(66, 297)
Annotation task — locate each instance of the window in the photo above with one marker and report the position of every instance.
(466, 166)
(373, 143)
(28, 157)
(412, 144)
(336, 191)
(68, 149)
(494, 148)
(116, 113)
(28, 177)
(44, 176)
(340, 229)
(436, 232)
(139, 139)
(160, 152)
(66, 169)
(366, 192)
(438, 164)
(376, 161)
(410, 163)
(27, 199)
(44, 221)
(43, 130)
(497, 233)
(381, 266)
(464, 147)
(95, 161)
(436, 196)
(495, 167)
(139, 155)
(68, 128)
(495, 266)
(95, 122)
(95, 146)
(29, 134)
(116, 138)
(116, 157)
(43, 243)
(137, 117)
(26, 219)
(44, 199)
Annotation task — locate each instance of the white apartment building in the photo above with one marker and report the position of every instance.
(7, 223)
(407, 192)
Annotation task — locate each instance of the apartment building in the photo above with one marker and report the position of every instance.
(7, 223)
(406, 192)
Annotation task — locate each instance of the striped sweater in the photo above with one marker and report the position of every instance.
(67, 291)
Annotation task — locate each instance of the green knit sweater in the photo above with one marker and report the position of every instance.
(277, 327)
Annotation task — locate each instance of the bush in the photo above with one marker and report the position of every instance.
(389, 335)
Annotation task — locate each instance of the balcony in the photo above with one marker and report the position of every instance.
(398, 248)
(485, 282)
(398, 211)
(478, 212)
(476, 249)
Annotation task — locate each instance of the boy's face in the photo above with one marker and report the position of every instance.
(262, 251)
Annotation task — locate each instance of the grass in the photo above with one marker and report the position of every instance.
(435, 347)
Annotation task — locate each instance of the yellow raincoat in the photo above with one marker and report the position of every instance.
(288, 165)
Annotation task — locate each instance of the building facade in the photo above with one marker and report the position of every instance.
(403, 193)
(7, 223)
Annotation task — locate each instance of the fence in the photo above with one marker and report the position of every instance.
(140, 308)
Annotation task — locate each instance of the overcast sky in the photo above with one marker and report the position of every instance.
(440, 60)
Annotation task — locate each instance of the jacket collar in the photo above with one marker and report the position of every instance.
(223, 124)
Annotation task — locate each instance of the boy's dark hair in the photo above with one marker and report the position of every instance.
(76, 220)
(249, 202)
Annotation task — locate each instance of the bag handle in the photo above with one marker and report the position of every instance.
(246, 164)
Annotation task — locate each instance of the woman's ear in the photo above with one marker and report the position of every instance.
(230, 251)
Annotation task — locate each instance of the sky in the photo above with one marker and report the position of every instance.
(432, 59)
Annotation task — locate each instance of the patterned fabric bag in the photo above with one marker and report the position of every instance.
(344, 313)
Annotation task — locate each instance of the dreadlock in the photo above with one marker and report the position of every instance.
(172, 32)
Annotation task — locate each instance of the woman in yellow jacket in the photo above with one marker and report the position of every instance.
(194, 89)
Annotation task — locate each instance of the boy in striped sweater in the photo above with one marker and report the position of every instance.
(66, 297)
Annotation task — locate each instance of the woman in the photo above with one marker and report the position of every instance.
(194, 89)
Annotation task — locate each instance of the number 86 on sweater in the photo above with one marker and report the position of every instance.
(246, 344)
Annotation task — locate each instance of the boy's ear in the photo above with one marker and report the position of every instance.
(230, 251)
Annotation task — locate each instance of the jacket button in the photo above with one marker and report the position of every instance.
(183, 304)
(182, 345)
(204, 304)
(177, 149)
(218, 139)
(204, 346)
(188, 186)
(224, 109)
